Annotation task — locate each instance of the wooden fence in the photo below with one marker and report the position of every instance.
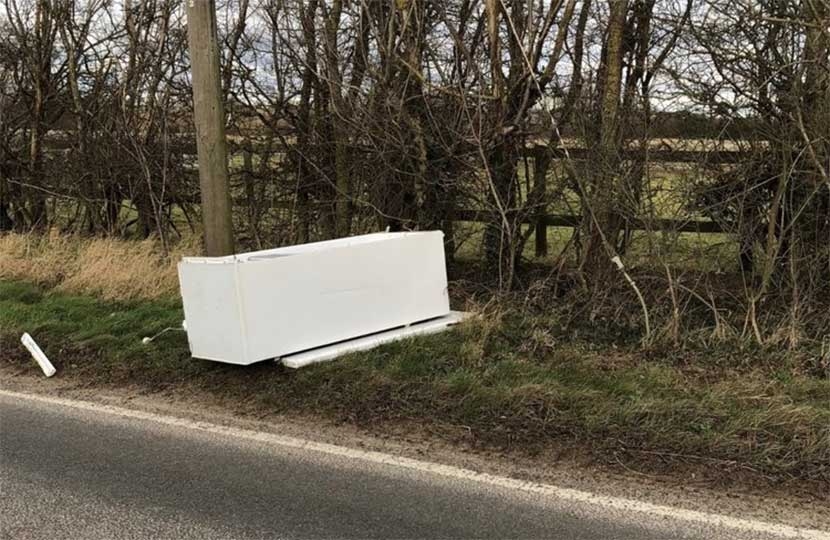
(542, 156)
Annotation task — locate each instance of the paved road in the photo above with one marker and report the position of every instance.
(73, 473)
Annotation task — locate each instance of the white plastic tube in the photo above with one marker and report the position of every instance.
(37, 354)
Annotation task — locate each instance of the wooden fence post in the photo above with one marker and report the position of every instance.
(541, 162)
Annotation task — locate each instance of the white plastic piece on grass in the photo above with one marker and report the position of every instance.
(146, 340)
(37, 354)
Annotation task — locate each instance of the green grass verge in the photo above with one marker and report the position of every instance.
(502, 380)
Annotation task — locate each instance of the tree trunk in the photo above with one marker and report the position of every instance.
(604, 220)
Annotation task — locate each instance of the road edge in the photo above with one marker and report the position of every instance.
(438, 469)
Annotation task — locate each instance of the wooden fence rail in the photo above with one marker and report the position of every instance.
(542, 222)
(654, 155)
(564, 220)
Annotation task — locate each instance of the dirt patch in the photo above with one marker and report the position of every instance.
(688, 486)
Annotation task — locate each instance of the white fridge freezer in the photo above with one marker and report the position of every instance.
(249, 307)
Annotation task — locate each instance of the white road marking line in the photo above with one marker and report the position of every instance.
(548, 490)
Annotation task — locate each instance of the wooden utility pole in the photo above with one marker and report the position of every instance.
(209, 116)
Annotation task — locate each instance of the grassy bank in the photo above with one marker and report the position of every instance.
(104, 267)
(503, 380)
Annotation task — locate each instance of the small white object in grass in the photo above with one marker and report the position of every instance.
(184, 326)
(37, 354)
(146, 340)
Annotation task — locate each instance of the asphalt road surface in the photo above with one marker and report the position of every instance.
(68, 472)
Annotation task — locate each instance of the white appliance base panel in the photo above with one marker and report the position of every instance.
(330, 352)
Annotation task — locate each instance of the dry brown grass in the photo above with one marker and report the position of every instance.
(104, 267)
